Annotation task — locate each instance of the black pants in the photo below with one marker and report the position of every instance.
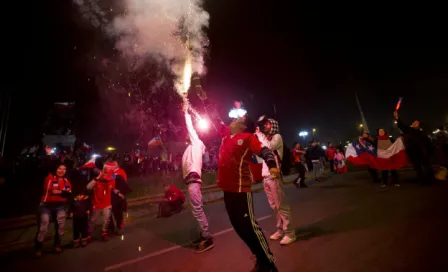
(385, 176)
(301, 170)
(422, 165)
(118, 208)
(331, 165)
(373, 173)
(240, 210)
(80, 225)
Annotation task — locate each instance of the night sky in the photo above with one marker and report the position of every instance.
(309, 58)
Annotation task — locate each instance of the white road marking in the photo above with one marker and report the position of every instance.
(166, 250)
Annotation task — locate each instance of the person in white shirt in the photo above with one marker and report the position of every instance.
(191, 172)
(268, 134)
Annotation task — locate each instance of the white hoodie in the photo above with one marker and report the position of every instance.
(276, 143)
(192, 158)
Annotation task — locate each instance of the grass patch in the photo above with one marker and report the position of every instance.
(153, 184)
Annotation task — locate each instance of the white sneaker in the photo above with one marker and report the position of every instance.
(288, 240)
(397, 185)
(277, 235)
(383, 186)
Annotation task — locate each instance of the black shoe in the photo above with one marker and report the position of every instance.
(205, 245)
(264, 268)
(303, 185)
(198, 241)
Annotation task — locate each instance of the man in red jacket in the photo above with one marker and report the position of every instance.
(237, 147)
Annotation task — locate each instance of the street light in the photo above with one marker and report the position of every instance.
(303, 134)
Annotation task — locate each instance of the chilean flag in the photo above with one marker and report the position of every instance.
(363, 153)
(90, 164)
(156, 141)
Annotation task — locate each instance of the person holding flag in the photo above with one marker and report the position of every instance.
(192, 172)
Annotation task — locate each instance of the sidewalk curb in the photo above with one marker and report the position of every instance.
(30, 220)
(26, 244)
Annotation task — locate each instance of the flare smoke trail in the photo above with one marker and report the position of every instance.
(170, 29)
(363, 119)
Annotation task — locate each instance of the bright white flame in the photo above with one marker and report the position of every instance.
(139, 248)
(237, 113)
(187, 73)
(203, 124)
(436, 131)
(303, 134)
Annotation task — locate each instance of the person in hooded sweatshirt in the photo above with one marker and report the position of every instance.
(418, 148)
(191, 172)
(268, 134)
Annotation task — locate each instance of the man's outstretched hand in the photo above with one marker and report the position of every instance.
(396, 115)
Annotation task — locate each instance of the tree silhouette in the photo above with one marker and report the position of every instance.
(139, 97)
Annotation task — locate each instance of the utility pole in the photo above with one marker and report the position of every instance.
(6, 108)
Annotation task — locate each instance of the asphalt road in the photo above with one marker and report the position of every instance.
(344, 224)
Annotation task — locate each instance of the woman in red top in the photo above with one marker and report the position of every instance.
(297, 153)
(53, 205)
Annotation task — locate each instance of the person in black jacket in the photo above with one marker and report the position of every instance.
(313, 154)
(418, 148)
(80, 210)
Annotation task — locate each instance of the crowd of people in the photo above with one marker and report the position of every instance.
(242, 142)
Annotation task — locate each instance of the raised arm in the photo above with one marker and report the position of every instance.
(194, 138)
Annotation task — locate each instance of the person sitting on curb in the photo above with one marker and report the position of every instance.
(173, 202)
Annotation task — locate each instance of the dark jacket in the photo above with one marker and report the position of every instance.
(79, 208)
(416, 141)
(313, 153)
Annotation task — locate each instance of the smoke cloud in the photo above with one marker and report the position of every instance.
(159, 28)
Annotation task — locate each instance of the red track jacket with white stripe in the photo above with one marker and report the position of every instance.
(235, 156)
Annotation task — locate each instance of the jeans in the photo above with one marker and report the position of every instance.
(106, 219)
(46, 212)
(195, 196)
(317, 166)
(277, 201)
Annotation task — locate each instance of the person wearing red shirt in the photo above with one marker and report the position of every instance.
(173, 202)
(297, 153)
(330, 152)
(57, 190)
(103, 187)
(234, 177)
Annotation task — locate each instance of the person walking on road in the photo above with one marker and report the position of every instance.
(268, 134)
(330, 152)
(53, 205)
(192, 172)
(297, 153)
